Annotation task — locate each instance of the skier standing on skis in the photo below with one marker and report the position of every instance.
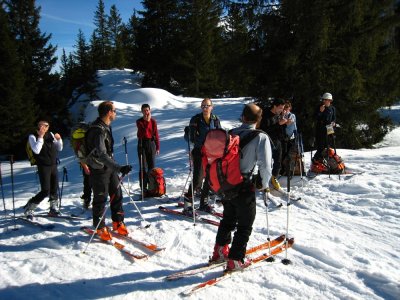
(325, 115)
(199, 125)
(273, 123)
(240, 211)
(148, 145)
(104, 171)
(45, 147)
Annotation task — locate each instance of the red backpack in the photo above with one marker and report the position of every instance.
(156, 185)
(221, 159)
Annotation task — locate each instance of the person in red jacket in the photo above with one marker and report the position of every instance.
(148, 144)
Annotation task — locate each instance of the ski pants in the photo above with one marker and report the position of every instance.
(277, 157)
(239, 213)
(147, 156)
(48, 176)
(87, 188)
(198, 177)
(105, 182)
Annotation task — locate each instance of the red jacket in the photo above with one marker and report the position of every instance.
(148, 130)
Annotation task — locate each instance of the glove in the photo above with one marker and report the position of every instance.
(125, 169)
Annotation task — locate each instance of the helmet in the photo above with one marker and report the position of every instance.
(327, 96)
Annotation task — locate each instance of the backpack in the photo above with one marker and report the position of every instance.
(78, 140)
(221, 154)
(331, 164)
(156, 183)
(29, 152)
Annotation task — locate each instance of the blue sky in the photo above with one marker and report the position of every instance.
(64, 18)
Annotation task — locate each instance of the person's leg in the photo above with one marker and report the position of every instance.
(100, 183)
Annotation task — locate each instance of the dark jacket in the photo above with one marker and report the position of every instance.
(324, 118)
(48, 154)
(270, 125)
(100, 146)
(198, 128)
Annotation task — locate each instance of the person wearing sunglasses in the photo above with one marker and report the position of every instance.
(198, 127)
(45, 147)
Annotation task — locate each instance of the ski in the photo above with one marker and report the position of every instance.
(226, 275)
(149, 246)
(37, 224)
(67, 217)
(208, 266)
(179, 213)
(117, 245)
(285, 194)
(216, 214)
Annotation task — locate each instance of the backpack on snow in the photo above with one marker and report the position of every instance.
(29, 152)
(331, 164)
(156, 183)
(221, 154)
(78, 140)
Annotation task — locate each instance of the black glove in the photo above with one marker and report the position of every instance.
(125, 169)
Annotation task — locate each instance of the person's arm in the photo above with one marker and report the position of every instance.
(264, 159)
(36, 143)
(58, 142)
(156, 136)
(99, 137)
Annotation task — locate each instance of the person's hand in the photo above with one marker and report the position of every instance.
(86, 169)
(322, 108)
(57, 136)
(157, 152)
(125, 169)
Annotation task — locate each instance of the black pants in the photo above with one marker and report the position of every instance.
(239, 213)
(277, 157)
(87, 187)
(322, 141)
(106, 183)
(48, 176)
(198, 177)
(147, 156)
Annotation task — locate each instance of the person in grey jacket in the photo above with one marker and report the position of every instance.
(104, 171)
(240, 211)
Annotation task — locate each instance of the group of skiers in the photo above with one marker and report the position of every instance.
(277, 129)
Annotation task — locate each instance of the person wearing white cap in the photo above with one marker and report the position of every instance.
(325, 115)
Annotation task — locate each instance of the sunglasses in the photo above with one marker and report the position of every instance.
(206, 106)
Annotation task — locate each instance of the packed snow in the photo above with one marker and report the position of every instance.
(346, 228)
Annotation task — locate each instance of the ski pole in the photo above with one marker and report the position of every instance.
(65, 178)
(137, 208)
(270, 258)
(12, 188)
(191, 185)
(2, 194)
(141, 167)
(104, 213)
(125, 141)
(286, 261)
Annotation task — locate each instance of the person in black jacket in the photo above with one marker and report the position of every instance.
(325, 115)
(45, 147)
(199, 125)
(273, 123)
(104, 172)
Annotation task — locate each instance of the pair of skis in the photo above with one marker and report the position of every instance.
(122, 248)
(276, 246)
(182, 214)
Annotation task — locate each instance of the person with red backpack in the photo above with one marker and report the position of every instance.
(148, 145)
(240, 206)
(199, 125)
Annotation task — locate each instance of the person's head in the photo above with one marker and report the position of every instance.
(327, 99)
(145, 110)
(287, 107)
(251, 114)
(277, 106)
(206, 106)
(43, 124)
(107, 110)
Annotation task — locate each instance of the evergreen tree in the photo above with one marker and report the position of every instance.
(17, 111)
(157, 42)
(101, 42)
(37, 56)
(116, 27)
(201, 39)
